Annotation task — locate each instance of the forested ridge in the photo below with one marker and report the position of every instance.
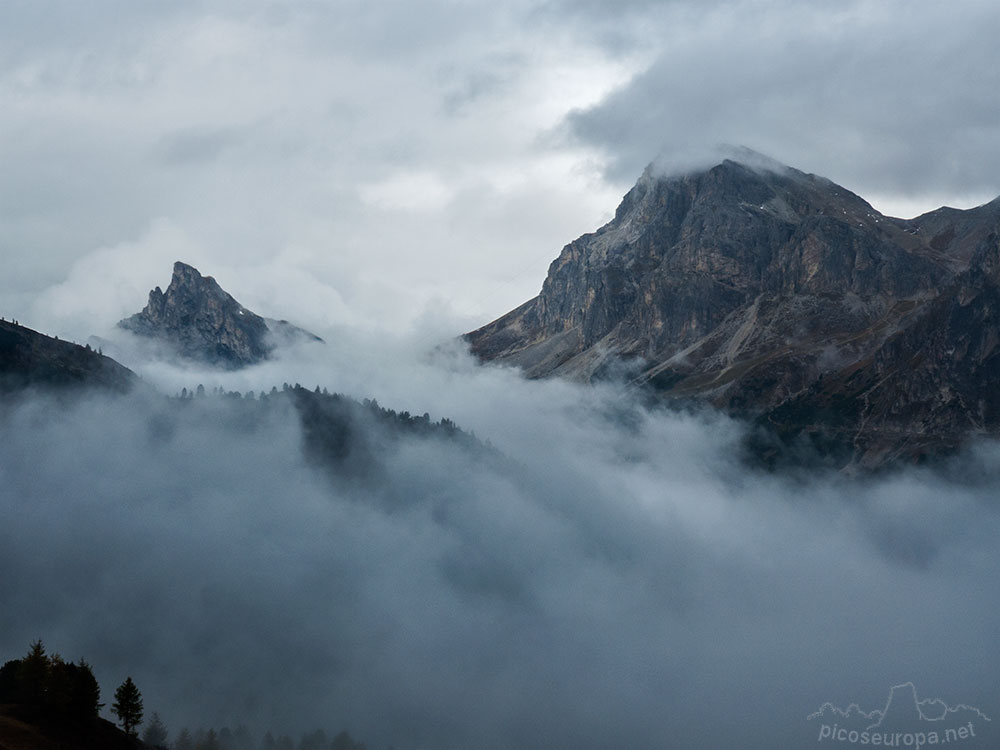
(48, 703)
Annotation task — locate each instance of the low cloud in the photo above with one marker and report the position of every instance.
(893, 101)
(610, 577)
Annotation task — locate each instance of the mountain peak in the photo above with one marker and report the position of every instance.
(204, 322)
(189, 277)
(753, 159)
(780, 296)
(721, 158)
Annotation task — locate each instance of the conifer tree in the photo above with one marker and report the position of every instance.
(155, 733)
(34, 675)
(184, 741)
(128, 706)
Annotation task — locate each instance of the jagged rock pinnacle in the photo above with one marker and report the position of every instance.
(203, 322)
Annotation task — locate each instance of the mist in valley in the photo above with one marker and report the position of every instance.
(586, 573)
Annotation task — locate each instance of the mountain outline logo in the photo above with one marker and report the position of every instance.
(904, 721)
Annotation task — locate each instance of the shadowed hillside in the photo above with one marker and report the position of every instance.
(29, 359)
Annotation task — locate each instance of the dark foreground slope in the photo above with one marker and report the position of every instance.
(781, 297)
(23, 729)
(29, 359)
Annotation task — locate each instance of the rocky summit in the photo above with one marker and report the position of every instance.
(203, 322)
(781, 297)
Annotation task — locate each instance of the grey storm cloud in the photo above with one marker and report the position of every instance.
(432, 158)
(387, 151)
(882, 97)
(609, 577)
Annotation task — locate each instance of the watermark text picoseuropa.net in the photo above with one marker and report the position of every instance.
(878, 737)
(905, 720)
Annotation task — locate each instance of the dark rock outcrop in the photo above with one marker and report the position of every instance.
(29, 359)
(781, 297)
(203, 322)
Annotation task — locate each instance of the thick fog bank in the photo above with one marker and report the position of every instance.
(617, 579)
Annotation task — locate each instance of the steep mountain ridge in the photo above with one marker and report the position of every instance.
(780, 296)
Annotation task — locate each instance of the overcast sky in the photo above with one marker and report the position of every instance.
(394, 165)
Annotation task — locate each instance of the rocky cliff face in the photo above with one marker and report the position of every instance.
(781, 297)
(203, 322)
